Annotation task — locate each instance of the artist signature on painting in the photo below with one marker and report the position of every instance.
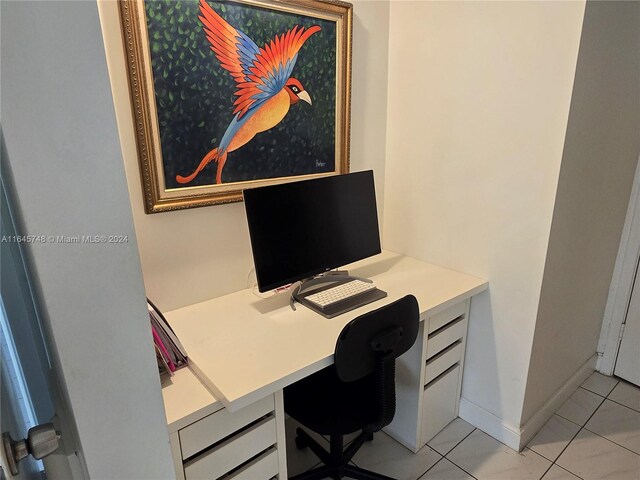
(320, 164)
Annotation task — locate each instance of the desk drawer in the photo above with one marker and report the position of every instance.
(263, 467)
(439, 404)
(442, 361)
(441, 319)
(441, 339)
(233, 452)
(213, 428)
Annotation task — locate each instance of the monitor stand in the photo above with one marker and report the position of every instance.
(334, 278)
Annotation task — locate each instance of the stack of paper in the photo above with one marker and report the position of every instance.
(170, 353)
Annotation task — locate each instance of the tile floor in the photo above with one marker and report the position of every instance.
(594, 435)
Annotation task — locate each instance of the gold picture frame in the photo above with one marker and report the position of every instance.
(182, 76)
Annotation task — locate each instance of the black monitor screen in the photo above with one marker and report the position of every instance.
(300, 229)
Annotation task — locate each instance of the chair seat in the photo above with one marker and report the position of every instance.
(329, 406)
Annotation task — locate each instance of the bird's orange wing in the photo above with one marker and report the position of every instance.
(260, 73)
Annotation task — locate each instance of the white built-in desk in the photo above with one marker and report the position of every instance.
(244, 349)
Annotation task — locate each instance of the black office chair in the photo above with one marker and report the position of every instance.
(357, 392)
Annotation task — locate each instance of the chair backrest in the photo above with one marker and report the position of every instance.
(369, 346)
(386, 332)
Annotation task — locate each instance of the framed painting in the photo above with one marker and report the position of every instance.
(229, 95)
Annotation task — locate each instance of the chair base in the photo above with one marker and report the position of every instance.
(336, 462)
(336, 473)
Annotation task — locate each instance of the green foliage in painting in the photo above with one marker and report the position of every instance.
(195, 95)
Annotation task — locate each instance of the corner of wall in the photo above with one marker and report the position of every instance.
(369, 92)
(476, 120)
(591, 200)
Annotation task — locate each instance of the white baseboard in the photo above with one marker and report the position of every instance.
(544, 413)
(517, 437)
(489, 423)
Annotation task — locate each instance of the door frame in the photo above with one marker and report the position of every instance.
(621, 283)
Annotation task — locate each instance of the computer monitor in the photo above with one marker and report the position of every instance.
(301, 229)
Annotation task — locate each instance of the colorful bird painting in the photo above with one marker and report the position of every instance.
(265, 89)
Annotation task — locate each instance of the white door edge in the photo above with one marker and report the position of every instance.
(621, 283)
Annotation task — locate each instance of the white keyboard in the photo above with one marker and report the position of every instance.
(340, 292)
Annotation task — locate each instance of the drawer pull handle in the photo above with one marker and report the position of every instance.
(441, 375)
(443, 352)
(260, 456)
(458, 319)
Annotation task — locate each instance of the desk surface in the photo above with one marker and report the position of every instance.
(243, 347)
(186, 399)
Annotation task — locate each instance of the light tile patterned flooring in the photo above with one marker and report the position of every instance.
(594, 435)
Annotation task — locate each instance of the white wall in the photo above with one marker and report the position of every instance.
(478, 101)
(63, 151)
(192, 255)
(598, 164)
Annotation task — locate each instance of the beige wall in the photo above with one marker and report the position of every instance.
(479, 96)
(192, 255)
(598, 164)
